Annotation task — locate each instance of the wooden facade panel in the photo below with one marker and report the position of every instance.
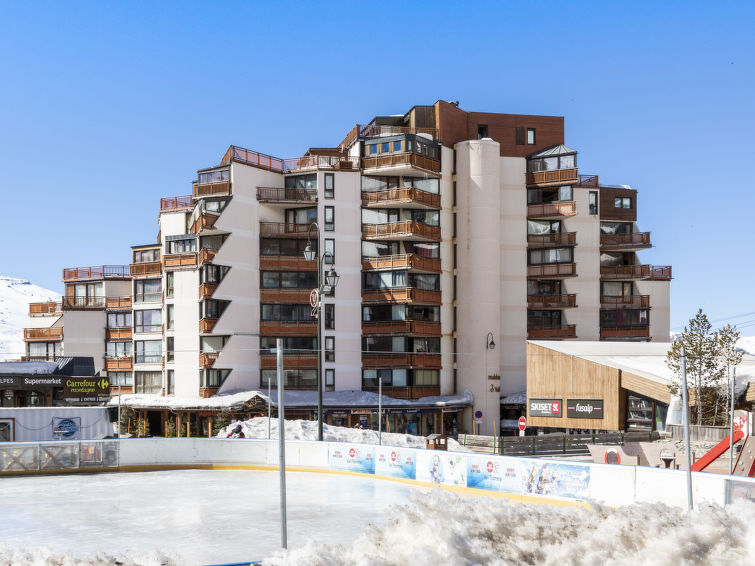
(646, 387)
(608, 211)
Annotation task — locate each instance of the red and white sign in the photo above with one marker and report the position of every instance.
(522, 423)
(490, 467)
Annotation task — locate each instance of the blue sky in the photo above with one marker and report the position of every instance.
(106, 107)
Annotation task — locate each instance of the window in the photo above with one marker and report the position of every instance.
(119, 320)
(611, 228)
(329, 185)
(397, 146)
(622, 202)
(293, 247)
(330, 379)
(482, 131)
(623, 318)
(593, 196)
(171, 322)
(212, 273)
(299, 344)
(121, 378)
(301, 215)
(214, 176)
(330, 218)
(146, 256)
(213, 377)
(548, 319)
(372, 149)
(308, 181)
(288, 279)
(148, 290)
(426, 377)
(170, 347)
(384, 147)
(85, 295)
(171, 382)
(211, 308)
(530, 136)
(148, 321)
(552, 255)
(117, 349)
(389, 377)
(330, 349)
(292, 379)
(181, 245)
(330, 316)
(150, 382)
(149, 351)
(287, 313)
(170, 279)
(330, 251)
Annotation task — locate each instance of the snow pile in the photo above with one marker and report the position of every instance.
(307, 430)
(45, 557)
(442, 528)
(15, 296)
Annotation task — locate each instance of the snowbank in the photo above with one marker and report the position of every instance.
(46, 557)
(442, 528)
(307, 430)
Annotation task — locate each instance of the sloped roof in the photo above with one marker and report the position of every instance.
(553, 151)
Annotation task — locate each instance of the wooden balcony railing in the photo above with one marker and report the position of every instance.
(290, 361)
(554, 177)
(287, 262)
(176, 203)
(207, 359)
(413, 327)
(623, 332)
(270, 163)
(146, 269)
(655, 272)
(630, 302)
(552, 270)
(548, 240)
(211, 189)
(408, 360)
(401, 160)
(125, 363)
(47, 308)
(178, 261)
(123, 333)
(206, 255)
(288, 296)
(416, 392)
(313, 162)
(42, 358)
(401, 196)
(97, 272)
(402, 229)
(373, 130)
(551, 332)
(552, 209)
(81, 303)
(274, 194)
(401, 261)
(283, 229)
(288, 328)
(633, 240)
(206, 325)
(587, 182)
(204, 221)
(43, 334)
(402, 295)
(206, 290)
(118, 302)
(551, 301)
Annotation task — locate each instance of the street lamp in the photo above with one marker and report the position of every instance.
(331, 280)
(489, 342)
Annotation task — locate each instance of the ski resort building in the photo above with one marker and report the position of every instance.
(455, 236)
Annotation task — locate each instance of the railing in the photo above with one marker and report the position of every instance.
(372, 130)
(286, 262)
(656, 272)
(123, 333)
(124, 363)
(414, 392)
(402, 295)
(401, 261)
(211, 189)
(635, 239)
(206, 290)
(548, 209)
(552, 177)
(83, 303)
(46, 457)
(288, 328)
(271, 229)
(296, 296)
(273, 194)
(118, 302)
(630, 302)
(401, 159)
(207, 359)
(206, 325)
(49, 333)
(270, 163)
(290, 361)
(587, 182)
(204, 221)
(97, 272)
(41, 358)
(206, 255)
(187, 259)
(551, 301)
(551, 332)
(148, 298)
(176, 203)
(41, 309)
(401, 196)
(552, 270)
(560, 239)
(402, 229)
(414, 360)
(147, 268)
(416, 327)
(637, 331)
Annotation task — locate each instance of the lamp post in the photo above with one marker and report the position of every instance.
(489, 345)
(331, 280)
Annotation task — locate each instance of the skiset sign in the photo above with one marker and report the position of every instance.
(545, 408)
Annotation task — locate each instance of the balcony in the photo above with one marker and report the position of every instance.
(118, 303)
(204, 221)
(551, 332)
(49, 334)
(552, 209)
(97, 272)
(278, 165)
(211, 189)
(404, 230)
(288, 328)
(206, 290)
(416, 392)
(406, 197)
(550, 270)
(287, 263)
(402, 261)
(123, 333)
(639, 332)
(287, 296)
(652, 272)
(150, 268)
(206, 325)
(555, 177)
(206, 255)
(83, 303)
(374, 130)
(45, 309)
(630, 302)
(207, 359)
(551, 301)
(283, 230)
(587, 182)
(402, 295)
(169, 204)
(290, 361)
(273, 195)
(47, 358)
(402, 327)
(552, 240)
(124, 363)
(180, 261)
(633, 241)
(400, 164)
(403, 360)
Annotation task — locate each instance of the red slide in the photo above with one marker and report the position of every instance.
(716, 451)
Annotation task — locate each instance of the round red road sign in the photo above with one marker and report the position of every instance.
(522, 423)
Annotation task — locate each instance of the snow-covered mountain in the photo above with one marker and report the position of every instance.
(15, 296)
(747, 343)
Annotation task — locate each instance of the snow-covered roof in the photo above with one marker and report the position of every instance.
(553, 151)
(518, 398)
(28, 368)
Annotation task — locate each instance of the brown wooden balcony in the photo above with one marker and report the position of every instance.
(287, 296)
(555, 177)
(405, 360)
(124, 363)
(290, 361)
(149, 268)
(48, 334)
(206, 290)
(653, 272)
(402, 295)
(97, 272)
(287, 263)
(204, 221)
(551, 270)
(83, 303)
(401, 160)
(630, 302)
(176, 203)
(180, 261)
(551, 240)
(118, 303)
(46, 308)
(401, 261)
(283, 230)
(551, 332)
(552, 209)
(211, 189)
(402, 327)
(587, 182)
(405, 230)
(274, 195)
(206, 255)
(122, 333)
(405, 197)
(341, 162)
(625, 332)
(551, 301)
(206, 325)
(635, 240)
(288, 328)
(207, 359)
(416, 392)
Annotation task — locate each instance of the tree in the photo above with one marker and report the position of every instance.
(729, 358)
(222, 420)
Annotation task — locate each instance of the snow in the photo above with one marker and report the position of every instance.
(747, 343)
(307, 430)
(15, 296)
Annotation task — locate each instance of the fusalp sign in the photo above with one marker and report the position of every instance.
(584, 408)
(545, 408)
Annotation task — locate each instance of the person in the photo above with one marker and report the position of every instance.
(236, 432)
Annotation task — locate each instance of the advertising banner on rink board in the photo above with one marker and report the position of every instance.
(495, 474)
(437, 466)
(556, 479)
(352, 458)
(395, 462)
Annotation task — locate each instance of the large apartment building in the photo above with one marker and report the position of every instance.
(457, 236)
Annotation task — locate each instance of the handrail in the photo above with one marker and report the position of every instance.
(402, 294)
(83, 302)
(631, 301)
(655, 272)
(587, 182)
(175, 203)
(535, 332)
(398, 159)
(283, 229)
(402, 228)
(49, 333)
(633, 239)
(546, 209)
(628, 331)
(559, 239)
(552, 301)
(278, 165)
(146, 268)
(374, 130)
(48, 307)
(401, 261)
(552, 270)
(401, 194)
(279, 194)
(95, 272)
(553, 176)
(118, 302)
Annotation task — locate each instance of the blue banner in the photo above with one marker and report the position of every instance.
(352, 457)
(395, 462)
(495, 473)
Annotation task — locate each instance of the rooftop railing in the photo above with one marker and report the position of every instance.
(176, 203)
(96, 272)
